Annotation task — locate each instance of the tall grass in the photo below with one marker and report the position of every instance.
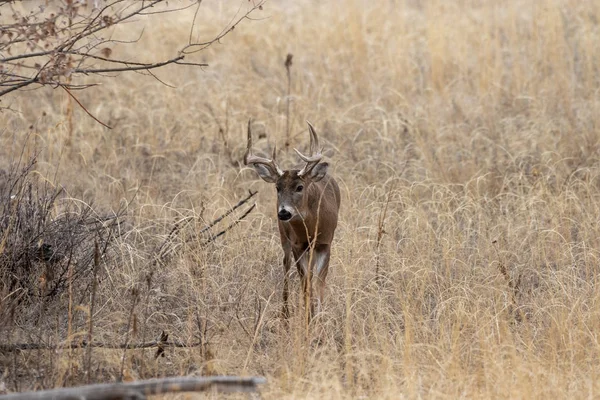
(474, 124)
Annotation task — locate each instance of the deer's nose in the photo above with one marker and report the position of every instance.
(284, 214)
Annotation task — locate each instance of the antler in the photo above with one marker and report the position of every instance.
(250, 158)
(315, 154)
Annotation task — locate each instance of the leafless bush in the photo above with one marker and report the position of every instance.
(47, 241)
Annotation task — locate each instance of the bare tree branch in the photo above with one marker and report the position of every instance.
(84, 109)
(196, 47)
(36, 49)
(135, 68)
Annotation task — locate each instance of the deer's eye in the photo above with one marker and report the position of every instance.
(278, 189)
(299, 188)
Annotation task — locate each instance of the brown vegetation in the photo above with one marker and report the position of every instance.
(464, 136)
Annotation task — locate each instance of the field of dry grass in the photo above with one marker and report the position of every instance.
(465, 138)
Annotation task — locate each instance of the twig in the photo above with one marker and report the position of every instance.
(380, 232)
(194, 21)
(234, 223)
(84, 109)
(175, 60)
(288, 65)
(91, 316)
(163, 337)
(163, 250)
(135, 296)
(18, 86)
(90, 29)
(238, 205)
(195, 47)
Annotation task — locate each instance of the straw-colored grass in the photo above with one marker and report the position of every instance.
(478, 121)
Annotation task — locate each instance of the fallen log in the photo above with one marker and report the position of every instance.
(140, 389)
(84, 344)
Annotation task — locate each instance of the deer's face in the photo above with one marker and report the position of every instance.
(292, 190)
(291, 193)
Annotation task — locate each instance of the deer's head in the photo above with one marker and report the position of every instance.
(293, 186)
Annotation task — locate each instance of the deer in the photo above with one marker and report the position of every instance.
(308, 203)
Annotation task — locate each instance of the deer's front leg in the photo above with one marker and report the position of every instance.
(303, 256)
(321, 256)
(287, 264)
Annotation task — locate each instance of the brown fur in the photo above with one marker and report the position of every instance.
(308, 202)
(319, 208)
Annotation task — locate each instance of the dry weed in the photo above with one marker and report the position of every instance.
(466, 130)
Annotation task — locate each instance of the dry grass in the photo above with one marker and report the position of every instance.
(477, 120)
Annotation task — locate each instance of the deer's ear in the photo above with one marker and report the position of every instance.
(318, 172)
(267, 174)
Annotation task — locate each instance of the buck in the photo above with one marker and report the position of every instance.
(308, 202)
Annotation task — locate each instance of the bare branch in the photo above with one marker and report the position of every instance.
(137, 67)
(18, 86)
(84, 109)
(195, 47)
(55, 54)
(91, 29)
